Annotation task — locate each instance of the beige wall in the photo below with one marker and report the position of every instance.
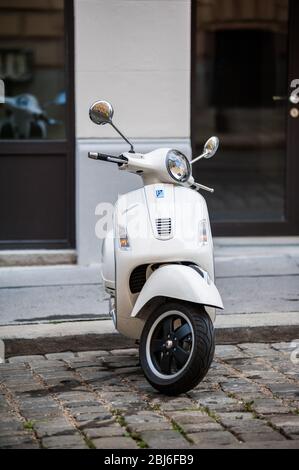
(136, 54)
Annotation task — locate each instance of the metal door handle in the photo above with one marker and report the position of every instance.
(292, 98)
(279, 98)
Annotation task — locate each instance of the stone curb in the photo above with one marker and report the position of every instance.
(25, 258)
(81, 336)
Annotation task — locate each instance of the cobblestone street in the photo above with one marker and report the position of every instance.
(250, 398)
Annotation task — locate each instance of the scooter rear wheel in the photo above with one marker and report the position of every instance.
(177, 347)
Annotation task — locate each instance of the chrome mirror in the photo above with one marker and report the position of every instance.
(211, 147)
(101, 112)
(209, 150)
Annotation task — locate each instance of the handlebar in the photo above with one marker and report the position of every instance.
(107, 158)
(120, 160)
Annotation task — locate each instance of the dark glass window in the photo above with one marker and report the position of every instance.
(241, 86)
(32, 66)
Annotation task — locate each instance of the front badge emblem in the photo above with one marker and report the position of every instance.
(159, 193)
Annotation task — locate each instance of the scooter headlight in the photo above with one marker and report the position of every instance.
(178, 166)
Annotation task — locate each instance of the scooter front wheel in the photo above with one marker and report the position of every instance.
(177, 347)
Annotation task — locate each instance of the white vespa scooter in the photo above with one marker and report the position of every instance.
(158, 264)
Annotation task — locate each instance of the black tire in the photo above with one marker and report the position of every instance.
(167, 375)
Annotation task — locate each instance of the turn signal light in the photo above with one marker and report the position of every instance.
(203, 233)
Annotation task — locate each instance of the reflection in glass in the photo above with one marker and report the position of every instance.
(241, 64)
(32, 67)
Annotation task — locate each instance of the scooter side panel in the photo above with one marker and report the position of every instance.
(108, 261)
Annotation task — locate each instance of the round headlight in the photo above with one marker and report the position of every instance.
(178, 166)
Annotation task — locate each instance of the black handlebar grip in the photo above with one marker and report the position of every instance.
(100, 156)
(108, 158)
(93, 155)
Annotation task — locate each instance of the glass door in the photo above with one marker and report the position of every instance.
(37, 125)
(244, 91)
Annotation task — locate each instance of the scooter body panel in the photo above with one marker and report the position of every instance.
(164, 224)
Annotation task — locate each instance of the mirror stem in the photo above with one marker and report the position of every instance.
(203, 155)
(127, 140)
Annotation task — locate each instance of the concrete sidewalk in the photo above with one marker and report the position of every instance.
(51, 293)
(253, 276)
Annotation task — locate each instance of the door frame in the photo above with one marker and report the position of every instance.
(290, 224)
(59, 148)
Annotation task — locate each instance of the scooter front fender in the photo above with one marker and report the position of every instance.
(179, 282)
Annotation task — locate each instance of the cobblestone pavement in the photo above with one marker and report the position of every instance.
(250, 398)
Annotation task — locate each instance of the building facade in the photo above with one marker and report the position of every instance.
(176, 72)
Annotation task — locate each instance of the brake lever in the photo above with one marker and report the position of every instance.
(201, 186)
